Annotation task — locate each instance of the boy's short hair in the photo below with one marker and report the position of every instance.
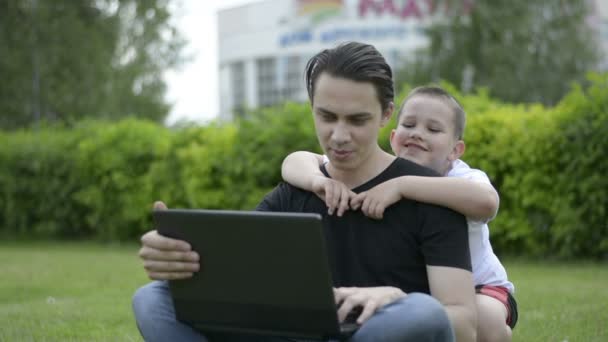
(440, 93)
(353, 61)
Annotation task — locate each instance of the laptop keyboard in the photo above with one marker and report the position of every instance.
(350, 325)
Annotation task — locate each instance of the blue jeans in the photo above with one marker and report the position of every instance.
(416, 317)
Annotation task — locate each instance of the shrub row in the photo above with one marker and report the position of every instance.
(100, 179)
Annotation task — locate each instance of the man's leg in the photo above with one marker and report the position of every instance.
(155, 316)
(156, 320)
(417, 317)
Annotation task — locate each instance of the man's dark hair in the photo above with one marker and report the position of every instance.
(441, 94)
(353, 61)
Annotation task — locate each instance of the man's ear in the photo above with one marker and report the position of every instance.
(457, 151)
(386, 114)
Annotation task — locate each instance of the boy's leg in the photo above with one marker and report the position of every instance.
(496, 312)
(416, 317)
(491, 320)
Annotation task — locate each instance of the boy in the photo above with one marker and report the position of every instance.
(429, 132)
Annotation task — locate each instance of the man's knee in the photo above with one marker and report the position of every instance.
(428, 313)
(417, 317)
(147, 300)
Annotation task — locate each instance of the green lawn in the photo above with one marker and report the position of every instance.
(82, 292)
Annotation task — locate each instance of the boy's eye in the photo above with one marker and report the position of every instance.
(434, 130)
(408, 125)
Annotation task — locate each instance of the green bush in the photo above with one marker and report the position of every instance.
(99, 179)
(112, 162)
(37, 183)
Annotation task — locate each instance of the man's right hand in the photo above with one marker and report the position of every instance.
(165, 258)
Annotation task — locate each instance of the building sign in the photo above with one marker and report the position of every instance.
(319, 10)
(304, 27)
(418, 9)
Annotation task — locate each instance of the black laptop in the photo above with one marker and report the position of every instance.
(261, 273)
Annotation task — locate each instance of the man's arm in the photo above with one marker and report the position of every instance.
(445, 246)
(454, 288)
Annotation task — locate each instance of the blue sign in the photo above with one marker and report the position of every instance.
(302, 37)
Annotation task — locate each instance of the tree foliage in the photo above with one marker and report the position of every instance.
(64, 60)
(522, 51)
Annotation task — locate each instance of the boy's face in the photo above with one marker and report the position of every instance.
(347, 117)
(425, 134)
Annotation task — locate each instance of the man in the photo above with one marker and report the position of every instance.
(389, 266)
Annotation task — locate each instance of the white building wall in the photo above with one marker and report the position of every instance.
(275, 29)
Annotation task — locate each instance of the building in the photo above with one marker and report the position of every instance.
(264, 46)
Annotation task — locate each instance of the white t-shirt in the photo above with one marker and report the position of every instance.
(487, 269)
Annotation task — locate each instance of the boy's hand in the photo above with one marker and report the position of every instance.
(374, 201)
(335, 194)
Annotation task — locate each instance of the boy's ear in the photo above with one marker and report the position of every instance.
(457, 151)
(386, 115)
(391, 139)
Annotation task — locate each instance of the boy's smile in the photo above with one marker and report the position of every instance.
(413, 146)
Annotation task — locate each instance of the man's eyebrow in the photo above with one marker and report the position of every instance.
(361, 115)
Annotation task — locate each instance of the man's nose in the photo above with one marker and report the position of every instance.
(340, 134)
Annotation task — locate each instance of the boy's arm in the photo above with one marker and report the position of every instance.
(476, 200)
(301, 169)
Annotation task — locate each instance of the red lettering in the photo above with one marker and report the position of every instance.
(415, 8)
(432, 6)
(467, 6)
(411, 9)
(378, 8)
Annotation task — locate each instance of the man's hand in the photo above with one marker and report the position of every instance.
(374, 201)
(335, 194)
(369, 298)
(165, 258)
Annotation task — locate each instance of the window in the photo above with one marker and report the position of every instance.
(237, 84)
(267, 88)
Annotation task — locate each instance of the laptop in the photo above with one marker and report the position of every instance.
(261, 273)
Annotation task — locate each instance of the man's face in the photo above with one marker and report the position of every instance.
(347, 117)
(425, 134)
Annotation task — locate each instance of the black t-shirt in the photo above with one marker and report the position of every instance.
(393, 251)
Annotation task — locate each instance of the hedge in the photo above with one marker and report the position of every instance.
(99, 179)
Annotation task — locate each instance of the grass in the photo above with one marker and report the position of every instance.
(561, 302)
(68, 292)
(82, 292)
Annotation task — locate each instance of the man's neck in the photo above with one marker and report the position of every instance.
(377, 162)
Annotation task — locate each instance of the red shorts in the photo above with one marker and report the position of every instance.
(504, 296)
